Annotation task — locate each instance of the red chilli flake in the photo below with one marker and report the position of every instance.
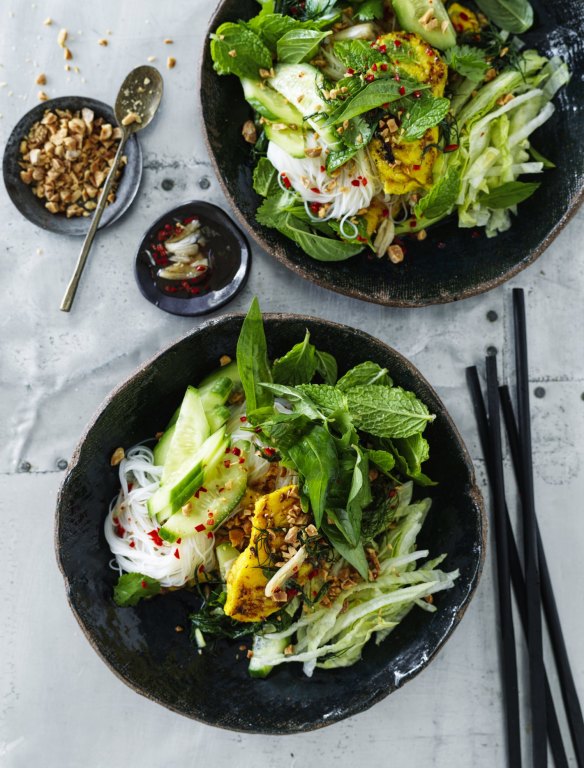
(369, 78)
(402, 90)
(397, 43)
(155, 537)
(322, 168)
(120, 530)
(132, 544)
(226, 464)
(315, 207)
(286, 181)
(383, 67)
(143, 584)
(451, 147)
(416, 167)
(374, 67)
(350, 71)
(385, 213)
(364, 181)
(243, 418)
(361, 239)
(269, 451)
(236, 451)
(316, 190)
(178, 541)
(200, 527)
(464, 16)
(201, 569)
(417, 94)
(241, 460)
(355, 182)
(177, 554)
(392, 493)
(209, 535)
(313, 573)
(413, 223)
(383, 49)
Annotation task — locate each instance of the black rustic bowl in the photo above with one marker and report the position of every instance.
(140, 644)
(451, 263)
(230, 262)
(32, 207)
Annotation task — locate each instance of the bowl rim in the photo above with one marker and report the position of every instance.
(198, 305)
(62, 102)
(472, 490)
(279, 253)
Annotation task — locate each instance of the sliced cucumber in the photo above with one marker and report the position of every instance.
(428, 19)
(162, 446)
(185, 480)
(291, 141)
(226, 556)
(190, 432)
(222, 490)
(269, 103)
(218, 416)
(216, 392)
(299, 84)
(264, 648)
(231, 371)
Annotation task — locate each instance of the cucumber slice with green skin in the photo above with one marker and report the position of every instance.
(218, 416)
(231, 371)
(183, 483)
(226, 556)
(190, 432)
(299, 81)
(163, 445)
(410, 13)
(290, 141)
(212, 504)
(269, 103)
(216, 392)
(264, 648)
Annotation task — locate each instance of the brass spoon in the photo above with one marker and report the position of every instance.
(136, 104)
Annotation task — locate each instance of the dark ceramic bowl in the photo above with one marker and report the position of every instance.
(34, 209)
(140, 644)
(230, 258)
(451, 263)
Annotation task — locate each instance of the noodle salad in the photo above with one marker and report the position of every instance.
(377, 119)
(282, 495)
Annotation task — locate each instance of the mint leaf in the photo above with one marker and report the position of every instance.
(284, 430)
(441, 198)
(299, 45)
(252, 360)
(357, 54)
(326, 367)
(236, 50)
(364, 373)
(298, 399)
(297, 366)
(382, 459)
(370, 9)
(273, 26)
(424, 113)
(467, 61)
(265, 178)
(326, 398)
(508, 194)
(338, 157)
(386, 412)
(132, 587)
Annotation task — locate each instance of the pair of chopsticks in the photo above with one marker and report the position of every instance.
(532, 583)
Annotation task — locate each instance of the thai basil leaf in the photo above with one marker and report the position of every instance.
(132, 587)
(338, 157)
(286, 429)
(315, 458)
(297, 366)
(299, 401)
(360, 492)
(353, 555)
(426, 112)
(299, 45)
(319, 247)
(319, 7)
(326, 367)
(358, 133)
(508, 194)
(363, 374)
(387, 412)
(373, 95)
(252, 360)
(251, 54)
(513, 15)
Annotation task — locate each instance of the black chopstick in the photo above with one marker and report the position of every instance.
(532, 580)
(509, 658)
(517, 580)
(567, 685)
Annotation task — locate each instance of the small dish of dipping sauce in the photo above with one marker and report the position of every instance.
(192, 260)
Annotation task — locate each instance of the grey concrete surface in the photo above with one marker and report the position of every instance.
(60, 707)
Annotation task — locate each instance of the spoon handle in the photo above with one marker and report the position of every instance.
(67, 302)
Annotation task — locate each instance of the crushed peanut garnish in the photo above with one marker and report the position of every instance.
(41, 79)
(395, 253)
(62, 37)
(117, 456)
(102, 41)
(66, 157)
(171, 62)
(224, 360)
